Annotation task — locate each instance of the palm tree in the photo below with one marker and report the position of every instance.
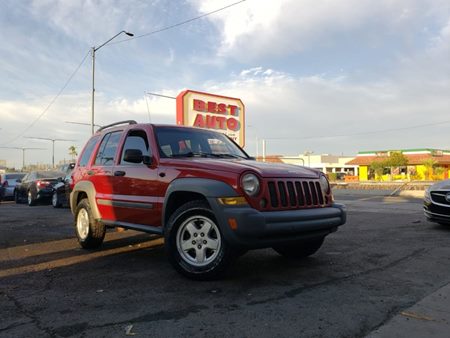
(73, 152)
(429, 165)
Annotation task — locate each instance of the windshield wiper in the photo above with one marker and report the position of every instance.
(224, 155)
(202, 154)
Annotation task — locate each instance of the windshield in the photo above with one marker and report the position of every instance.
(181, 142)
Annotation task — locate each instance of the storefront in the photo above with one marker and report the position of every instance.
(422, 164)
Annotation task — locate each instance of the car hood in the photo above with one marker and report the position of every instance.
(239, 166)
(442, 185)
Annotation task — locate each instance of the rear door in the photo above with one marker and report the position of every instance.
(136, 185)
(101, 173)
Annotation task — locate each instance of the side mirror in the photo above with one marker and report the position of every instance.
(19, 180)
(133, 156)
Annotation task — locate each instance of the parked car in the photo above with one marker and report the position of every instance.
(8, 182)
(63, 188)
(202, 192)
(36, 187)
(436, 204)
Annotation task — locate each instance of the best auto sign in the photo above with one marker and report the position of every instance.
(209, 111)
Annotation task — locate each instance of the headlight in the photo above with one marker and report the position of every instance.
(427, 195)
(324, 185)
(250, 184)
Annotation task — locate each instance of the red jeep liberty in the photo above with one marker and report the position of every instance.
(202, 192)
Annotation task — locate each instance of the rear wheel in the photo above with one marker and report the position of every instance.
(90, 233)
(299, 249)
(31, 200)
(56, 203)
(194, 243)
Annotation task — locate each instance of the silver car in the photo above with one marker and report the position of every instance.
(8, 182)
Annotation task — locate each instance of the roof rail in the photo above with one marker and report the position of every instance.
(116, 124)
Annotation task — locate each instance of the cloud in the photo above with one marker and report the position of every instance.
(277, 28)
(73, 108)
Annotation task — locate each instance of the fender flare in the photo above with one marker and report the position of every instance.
(88, 188)
(209, 188)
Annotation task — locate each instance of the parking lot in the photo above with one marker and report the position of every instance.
(384, 260)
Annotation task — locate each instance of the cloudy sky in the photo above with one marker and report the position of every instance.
(326, 76)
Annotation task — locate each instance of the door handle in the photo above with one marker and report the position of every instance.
(119, 173)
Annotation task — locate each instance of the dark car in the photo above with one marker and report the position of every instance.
(436, 204)
(202, 192)
(62, 189)
(37, 187)
(8, 183)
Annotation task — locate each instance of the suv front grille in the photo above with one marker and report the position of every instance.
(295, 194)
(440, 197)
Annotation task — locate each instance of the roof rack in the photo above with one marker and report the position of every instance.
(116, 124)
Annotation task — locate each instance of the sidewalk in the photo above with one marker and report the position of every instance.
(428, 318)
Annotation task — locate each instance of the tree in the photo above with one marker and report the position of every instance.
(429, 165)
(73, 152)
(378, 167)
(396, 159)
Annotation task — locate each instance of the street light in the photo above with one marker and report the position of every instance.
(94, 49)
(308, 153)
(53, 140)
(23, 152)
(83, 123)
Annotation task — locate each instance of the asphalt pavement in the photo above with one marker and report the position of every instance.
(383, 274)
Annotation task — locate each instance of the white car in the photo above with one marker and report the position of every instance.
(8, 182)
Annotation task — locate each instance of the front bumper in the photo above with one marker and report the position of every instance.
(436, 213)
(256, 229)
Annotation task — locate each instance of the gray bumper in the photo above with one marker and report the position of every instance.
(257, 229)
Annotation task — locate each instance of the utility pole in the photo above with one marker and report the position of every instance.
(23, 152)
(53, 140)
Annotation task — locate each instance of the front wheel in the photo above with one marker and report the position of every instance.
(299, 249)
(17, 198)
(194, 243)
(90, 233)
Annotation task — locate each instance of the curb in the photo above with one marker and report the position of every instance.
(427, 318)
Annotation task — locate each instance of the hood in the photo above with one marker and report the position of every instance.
(442, 185)
(239, 166)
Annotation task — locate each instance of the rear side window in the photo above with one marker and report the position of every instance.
(84, 159)
(108, 149)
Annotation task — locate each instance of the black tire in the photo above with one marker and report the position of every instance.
(17, 198)
(90, 233)
(56, 203)
(210, 263)
(299, 249)
(444, 224)
(31, 199)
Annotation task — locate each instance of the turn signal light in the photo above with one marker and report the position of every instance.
(232, 223)
(233, 200)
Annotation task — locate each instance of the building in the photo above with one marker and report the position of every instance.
(418, 167)
(326, 163)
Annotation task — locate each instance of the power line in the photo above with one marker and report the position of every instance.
(360, 133)
(52, 101)
(179, 23)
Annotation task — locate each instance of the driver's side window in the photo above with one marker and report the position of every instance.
(136, 139)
